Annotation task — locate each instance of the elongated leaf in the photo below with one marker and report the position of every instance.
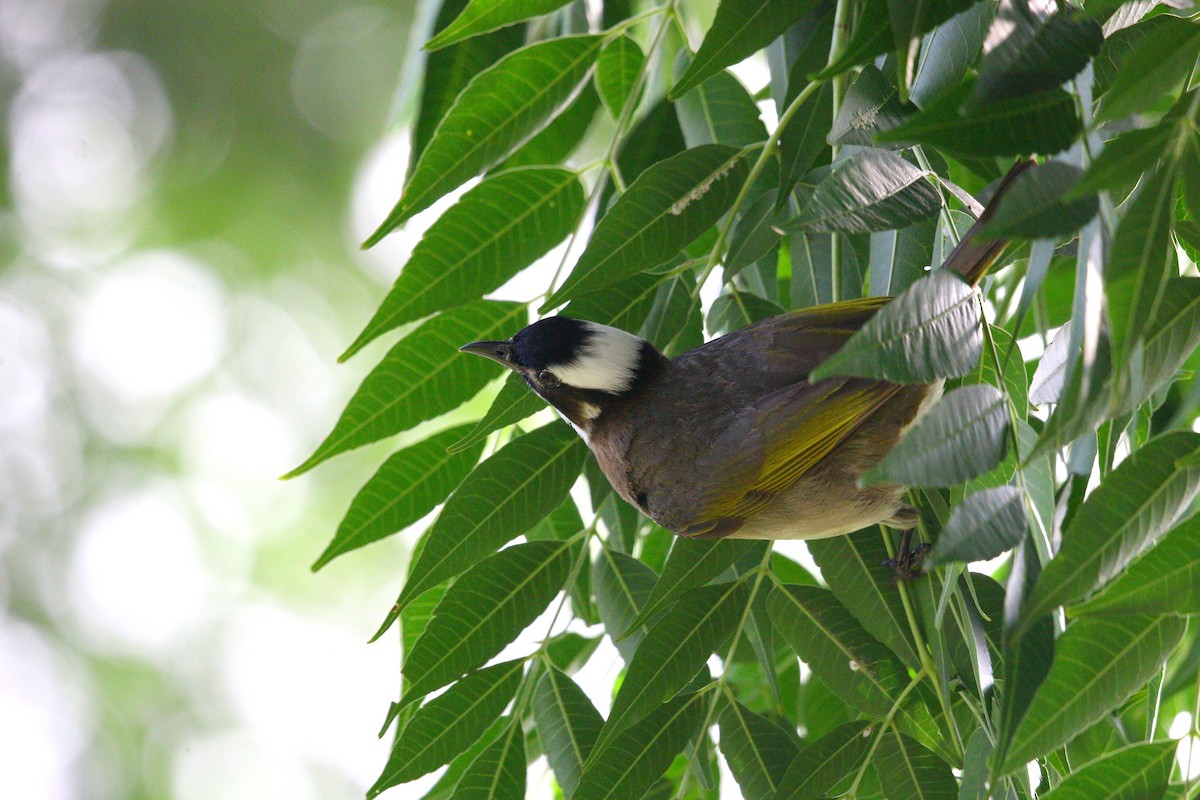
(1154, 66)
(871, 105)
(1035, 206)
(907, 771)
(1039, 53)
(495, 114)
(484, 610)
(639, 756)
(962, 437)
(1097, 664)
(623, 585)
(513, 403)
(666, 208)
(1136, 504)
(1125, 158)
(499, 771)
(872, 36)
(674, 650)
(1042, 123)
(564, 523)
(422, 376)
(493, 232)
(569, 652)
(561, 137)
(505, 496)
(1137, 772)
(910, 20)
(1171, 337)
(449, 724)
(853, 568)
(481, 16)
(871, 191)
(757, 749)
(407, 487)
(654, 138)
(1166, 580)
(819, 766)
(736, 310)
(949, 51)
(617, 70)
(930, 331)
(975, 774)
(625, 304)
(802, 140)
(755, 235)
(568, 726)
(691, 563)
(982, 527)
(899, 257)
(738, 30)
(719, 111)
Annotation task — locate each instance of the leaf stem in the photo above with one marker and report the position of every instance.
(852, 793)
(837, 43)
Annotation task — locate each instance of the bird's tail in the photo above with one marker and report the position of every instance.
(973, 256)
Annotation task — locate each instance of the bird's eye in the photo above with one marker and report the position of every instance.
(548, 378)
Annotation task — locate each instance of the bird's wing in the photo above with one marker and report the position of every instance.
(766, 447)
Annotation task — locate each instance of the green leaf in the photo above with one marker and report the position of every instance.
(738, 30)
(422, 376)
(719, 111)
(691, 563)
(899, 257)
(407, 487)
(802, 140)
(820, 765)
(561, 137)
(563, 523)
(496, 113)
(755, 235)
(617, 70)
(758, 750)
(568, 726)
(1172, 336)
(666, 208)
(949, 51)
(1043, 123)
(1040, 53)
(908, 771)
(1137, 772)
(910, 20)
(871, 105)
(654, 138)
(1166, 580)
(449, 724)
(505, 496)
(674, 650)
(493, 232)
(483, 611)
(1098, 663)
(929, 331)
(870, 191)
(961, 437)
(1035, 207)
(499, 771)
(982, 527)
(1124, 159)
(975, 774)
(872, 37)
(852, 566)
(622, 584)
(735, 310)
(513, 403)
(639, 756)
(1130, 509)
(482, 16)
(1155, 65)
(443, 788)
(569, 652)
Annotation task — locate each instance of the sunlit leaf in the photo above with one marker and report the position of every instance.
(1125, 158)
(910, 20)
(561, 137)
(907, 770)
(1129, 773)
(422, 376)
(568, 726)
(499, 771)
(985, 525)
(871, 105)
(820, 765)
(617, 70)
(481, 16)
(949, 51)
(1035, 207)
(1155, 65)
(757, 749)
(1166, 580)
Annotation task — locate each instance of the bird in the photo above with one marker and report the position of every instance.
(732, 438)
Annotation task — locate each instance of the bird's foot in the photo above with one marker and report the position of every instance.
(906, 566)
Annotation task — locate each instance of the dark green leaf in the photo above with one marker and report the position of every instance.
(667, 207)
(736, 310)
(1034, 206)
(871, 105)
(495, 114)
(499, 771)
(872, 36)
(422, 376)
(655, 137)
(407, 487)
(639, 756)
(564, 523)
(820, 765)
(961, 437)
(623, 585)
(1154, 66)
(1124, 159)
(910, 20)
(617, 70)
(568, 726)
(975, 774)
(720, 111)
(443, 788)
(1166, 580)
(1098, 663)
(569, 652)
(493, 232)
(929, 331)
(505, 496)
(1137, 772)
(449, 724)
(739, 30)
(949, 51)
(691, 563)
(907, 771)
(561, 137)
(513, 403)
(802, 139)
(757, 749)
(675, 313)
(871, 191)
(481, 16)
(625, 304)
(1129, 510)
(982, 527)
(899, 257)
(755, 235)
(484, 610)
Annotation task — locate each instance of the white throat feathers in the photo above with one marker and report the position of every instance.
(607, 362)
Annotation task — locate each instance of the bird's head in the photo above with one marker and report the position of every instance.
(581, 368)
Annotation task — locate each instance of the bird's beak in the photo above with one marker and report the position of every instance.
(496, 351)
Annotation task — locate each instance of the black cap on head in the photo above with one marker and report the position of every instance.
(549, 342)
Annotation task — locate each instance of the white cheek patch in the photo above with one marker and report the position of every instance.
(608, 363)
